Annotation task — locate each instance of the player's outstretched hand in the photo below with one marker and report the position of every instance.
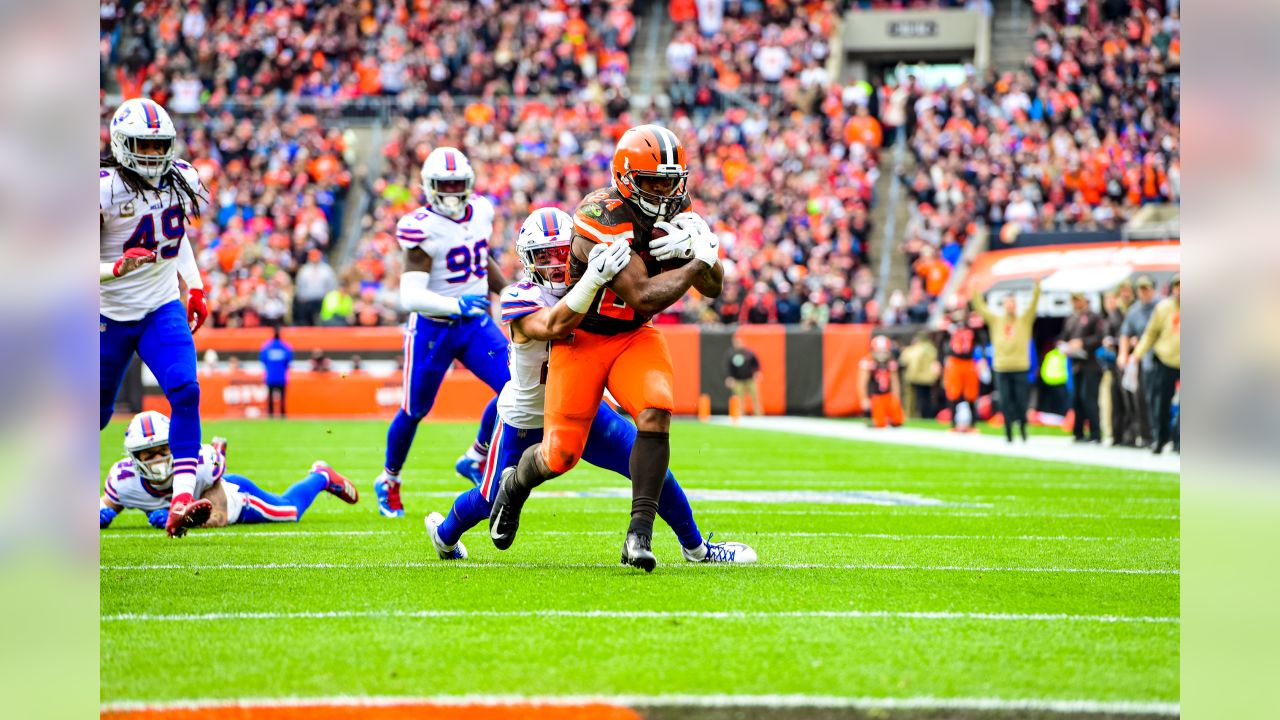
(473, 305)
(158, 518)
(676, 243)
(105, 516)
(608, 259)
(132, 259)
(197, 309)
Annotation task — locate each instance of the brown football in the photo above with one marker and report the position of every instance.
(668, 264)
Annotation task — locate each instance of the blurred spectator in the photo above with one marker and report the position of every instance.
(1010, 334)
(1080, 339)
(760, 307)
(315, 281)
(319, 361)
(1110, 396)
(338, 307)
(1137, 397)
(1163, 337)
(921, 370)
(742, 373)
(275, 356)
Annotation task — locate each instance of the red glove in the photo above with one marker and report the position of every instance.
(134, 253)
(197, 310)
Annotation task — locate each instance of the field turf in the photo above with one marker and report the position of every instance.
(1006, 580)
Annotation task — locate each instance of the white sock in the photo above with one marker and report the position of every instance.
(184, 477)
(390, 476)
(474, 454)
(697, 553)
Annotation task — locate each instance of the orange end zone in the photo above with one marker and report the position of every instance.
(407, 711)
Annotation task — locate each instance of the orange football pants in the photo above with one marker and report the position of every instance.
(635, 366)
(960, 379)
(886, 409)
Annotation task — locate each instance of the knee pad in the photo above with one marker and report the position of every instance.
(184, 390)
(562, 448)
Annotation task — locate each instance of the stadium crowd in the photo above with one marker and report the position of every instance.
(783, 159)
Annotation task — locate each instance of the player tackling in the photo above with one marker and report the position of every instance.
(537, 316)
(146, 198)
(616, 345)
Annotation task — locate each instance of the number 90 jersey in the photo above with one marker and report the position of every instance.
(459, 249)
(153, 221)
(606, 217)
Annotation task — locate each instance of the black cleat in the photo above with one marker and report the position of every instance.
(504, 518)
(636, 552)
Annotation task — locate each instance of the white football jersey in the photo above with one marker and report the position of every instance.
(459, 249)
(155, 222)
(521, 400)
(126, 487)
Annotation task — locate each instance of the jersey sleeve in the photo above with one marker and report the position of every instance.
(411, 231)
(122, 470)
(596, 221)
(106, 185)
(519, 300)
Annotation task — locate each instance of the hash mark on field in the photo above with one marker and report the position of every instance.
(643, 614)
(1043, 705)
(563, 566)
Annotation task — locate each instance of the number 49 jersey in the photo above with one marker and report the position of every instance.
(459, 249)
(154, 222)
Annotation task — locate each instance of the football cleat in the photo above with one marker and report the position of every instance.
(338, 485)
(457, 551)
(723, 552)
(470, 469)
(637, 553)
(504, 518)
(388, 493)
(185, 517)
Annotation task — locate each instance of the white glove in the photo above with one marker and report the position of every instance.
(706, 247)
(691, 221)
(605, 261)
(677, 243)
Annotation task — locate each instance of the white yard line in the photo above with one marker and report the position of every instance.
(1043, 705)
(1048, 449)
(290, 534)
(643, 614)
(560, 566)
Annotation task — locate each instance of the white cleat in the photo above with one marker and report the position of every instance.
(446, 552)
(725, 552)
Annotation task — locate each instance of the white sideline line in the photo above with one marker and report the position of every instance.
(559, 566)
(286, 534)
(1051, 705)
(642, 614)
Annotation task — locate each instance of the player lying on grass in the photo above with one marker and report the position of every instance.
(144, 481)
(537, 316)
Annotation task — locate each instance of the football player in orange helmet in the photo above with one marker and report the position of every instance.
(616, 345)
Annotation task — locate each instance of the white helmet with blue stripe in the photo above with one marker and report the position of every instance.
(543, 246)
(142, 138)
(149, 431)
(447, 178)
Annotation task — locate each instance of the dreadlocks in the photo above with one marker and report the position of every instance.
(188, 197)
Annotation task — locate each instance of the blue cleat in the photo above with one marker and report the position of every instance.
(470, 469)
(388, 494)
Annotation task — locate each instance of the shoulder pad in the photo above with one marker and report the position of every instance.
(603, 218)
(411, 231)
(122, 470)
(209, 455)
(481, 207)
(520, 299)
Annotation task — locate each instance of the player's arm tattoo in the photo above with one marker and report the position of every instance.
(416, 260)
(218, 496)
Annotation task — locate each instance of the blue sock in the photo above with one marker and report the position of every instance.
(487, 421)
(302, 493)
(467, 512)
(673, 508)
(400, 439)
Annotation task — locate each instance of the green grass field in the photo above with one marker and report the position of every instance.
(1025, 581)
